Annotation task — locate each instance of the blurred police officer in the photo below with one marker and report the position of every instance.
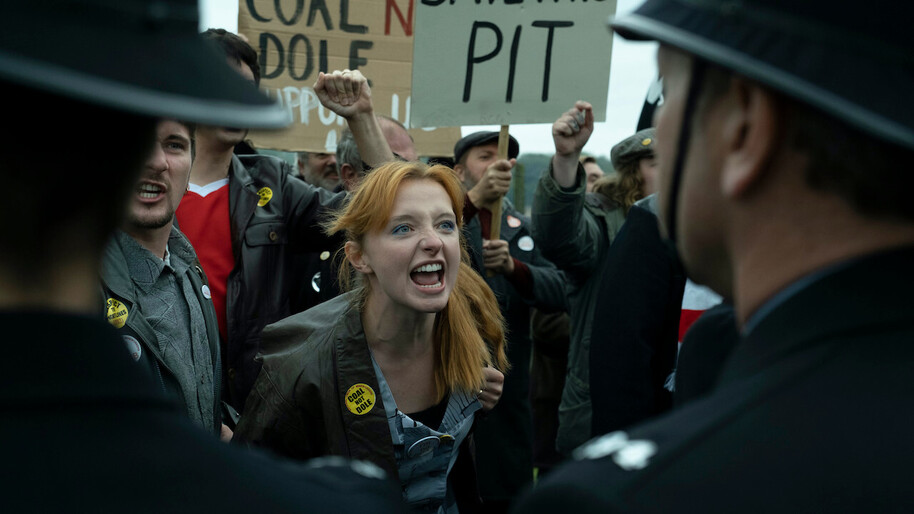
(82, 429)
(785, 153)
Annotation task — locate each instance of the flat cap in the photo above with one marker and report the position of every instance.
(483, 138)
(634, 147)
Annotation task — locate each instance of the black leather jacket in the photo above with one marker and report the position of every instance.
(310, 362)
(275, 221)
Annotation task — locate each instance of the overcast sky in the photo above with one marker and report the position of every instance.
(633, 69)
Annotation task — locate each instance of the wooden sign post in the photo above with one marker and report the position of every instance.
(495, 230)
(495, 227)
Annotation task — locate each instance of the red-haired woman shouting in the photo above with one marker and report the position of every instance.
(394, 371)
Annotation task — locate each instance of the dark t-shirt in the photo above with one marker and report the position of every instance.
(432, 416)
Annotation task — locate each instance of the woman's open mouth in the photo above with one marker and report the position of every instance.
(428, 276)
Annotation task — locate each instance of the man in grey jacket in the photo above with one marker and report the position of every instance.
(156, 294)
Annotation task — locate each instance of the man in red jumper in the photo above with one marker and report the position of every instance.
(250, 222)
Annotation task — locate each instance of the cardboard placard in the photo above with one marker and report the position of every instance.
(295, 39)
(509, 61)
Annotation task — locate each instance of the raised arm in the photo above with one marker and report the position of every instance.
(570, 133)
(347, 94)
(569, 236)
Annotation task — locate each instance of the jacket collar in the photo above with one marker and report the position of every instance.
(243, 200)
(114, 272)
(239, 174)
(143, 267)
(180, 246)
(368, 435)
(865, 295)
(125, 257)
(508, 233)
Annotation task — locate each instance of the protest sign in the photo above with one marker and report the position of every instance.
(509, 61)
(296, 39)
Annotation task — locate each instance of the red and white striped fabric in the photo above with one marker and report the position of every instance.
(695, 300)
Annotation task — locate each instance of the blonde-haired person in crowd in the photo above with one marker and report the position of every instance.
(395, 370)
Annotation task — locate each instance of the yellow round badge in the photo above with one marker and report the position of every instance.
(266, 194)
(646, 142)
(116, 313)
(360, 399)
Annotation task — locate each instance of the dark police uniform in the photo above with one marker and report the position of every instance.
(815, 399)
(82, 431)
(812, 409)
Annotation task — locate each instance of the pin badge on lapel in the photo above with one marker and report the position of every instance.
(423, 446)
(116, 313)
(360, 399)
(133, 347)
(525, 243)
(265, 194)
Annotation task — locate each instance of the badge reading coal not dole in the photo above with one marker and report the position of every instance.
(266, 194)
(116, 313)
(360, 399)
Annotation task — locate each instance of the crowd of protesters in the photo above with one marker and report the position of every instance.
(202, 327)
